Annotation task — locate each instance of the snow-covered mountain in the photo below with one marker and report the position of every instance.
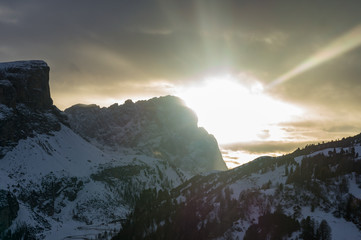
(56, 184)
(313, 193)
(147, 168)
(160, 127)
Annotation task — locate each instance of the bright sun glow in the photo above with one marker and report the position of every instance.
(233, 112)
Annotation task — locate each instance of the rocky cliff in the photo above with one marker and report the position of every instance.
(25, 82)
(160, 127)
(25, 103)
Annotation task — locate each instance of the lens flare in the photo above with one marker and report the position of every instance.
(347, 42)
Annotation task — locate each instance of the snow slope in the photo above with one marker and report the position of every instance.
(64, 161)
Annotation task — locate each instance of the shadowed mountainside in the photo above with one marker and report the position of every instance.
(160, 127)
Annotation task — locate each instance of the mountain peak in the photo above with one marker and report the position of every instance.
(25, 82)
(161, 127)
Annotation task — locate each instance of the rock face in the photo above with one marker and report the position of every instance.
(9, 207)
(160, 127)
(25, 82)
(24, 98)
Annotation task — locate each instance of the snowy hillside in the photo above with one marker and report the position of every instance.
(297, 196)
(62, 182)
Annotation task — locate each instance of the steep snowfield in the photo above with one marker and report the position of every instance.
(84, 203)
(63, 155)
(65, 152)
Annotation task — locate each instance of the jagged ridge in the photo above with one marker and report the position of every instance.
(160, 127)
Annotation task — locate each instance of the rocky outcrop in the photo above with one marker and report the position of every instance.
(9, 207)
(25, 82)
(21, 122)
(7, 93)
(160, 127)
(26, 107)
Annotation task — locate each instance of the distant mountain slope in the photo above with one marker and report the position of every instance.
(297, 196)
(160, 127)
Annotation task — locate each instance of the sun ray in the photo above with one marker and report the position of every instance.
(345, 43)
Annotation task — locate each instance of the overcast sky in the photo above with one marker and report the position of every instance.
(136, 49)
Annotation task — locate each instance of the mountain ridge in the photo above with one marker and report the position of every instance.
(310, 192)
(162, 127)
(55, 183)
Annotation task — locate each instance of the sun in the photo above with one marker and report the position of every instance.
(235, 109)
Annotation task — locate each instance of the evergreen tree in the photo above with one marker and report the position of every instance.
(353, 152)
(344, 185)
(308, 229)
(342, 151)
(324, 231)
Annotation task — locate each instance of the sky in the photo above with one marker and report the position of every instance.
(263, 76)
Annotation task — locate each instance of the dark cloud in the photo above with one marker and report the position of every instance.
(232, 162)
(182, 34)
(321, 129)
(342, 128)
(125, 48)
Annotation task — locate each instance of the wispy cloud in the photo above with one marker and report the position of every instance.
(153, 31)
(266, 147)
